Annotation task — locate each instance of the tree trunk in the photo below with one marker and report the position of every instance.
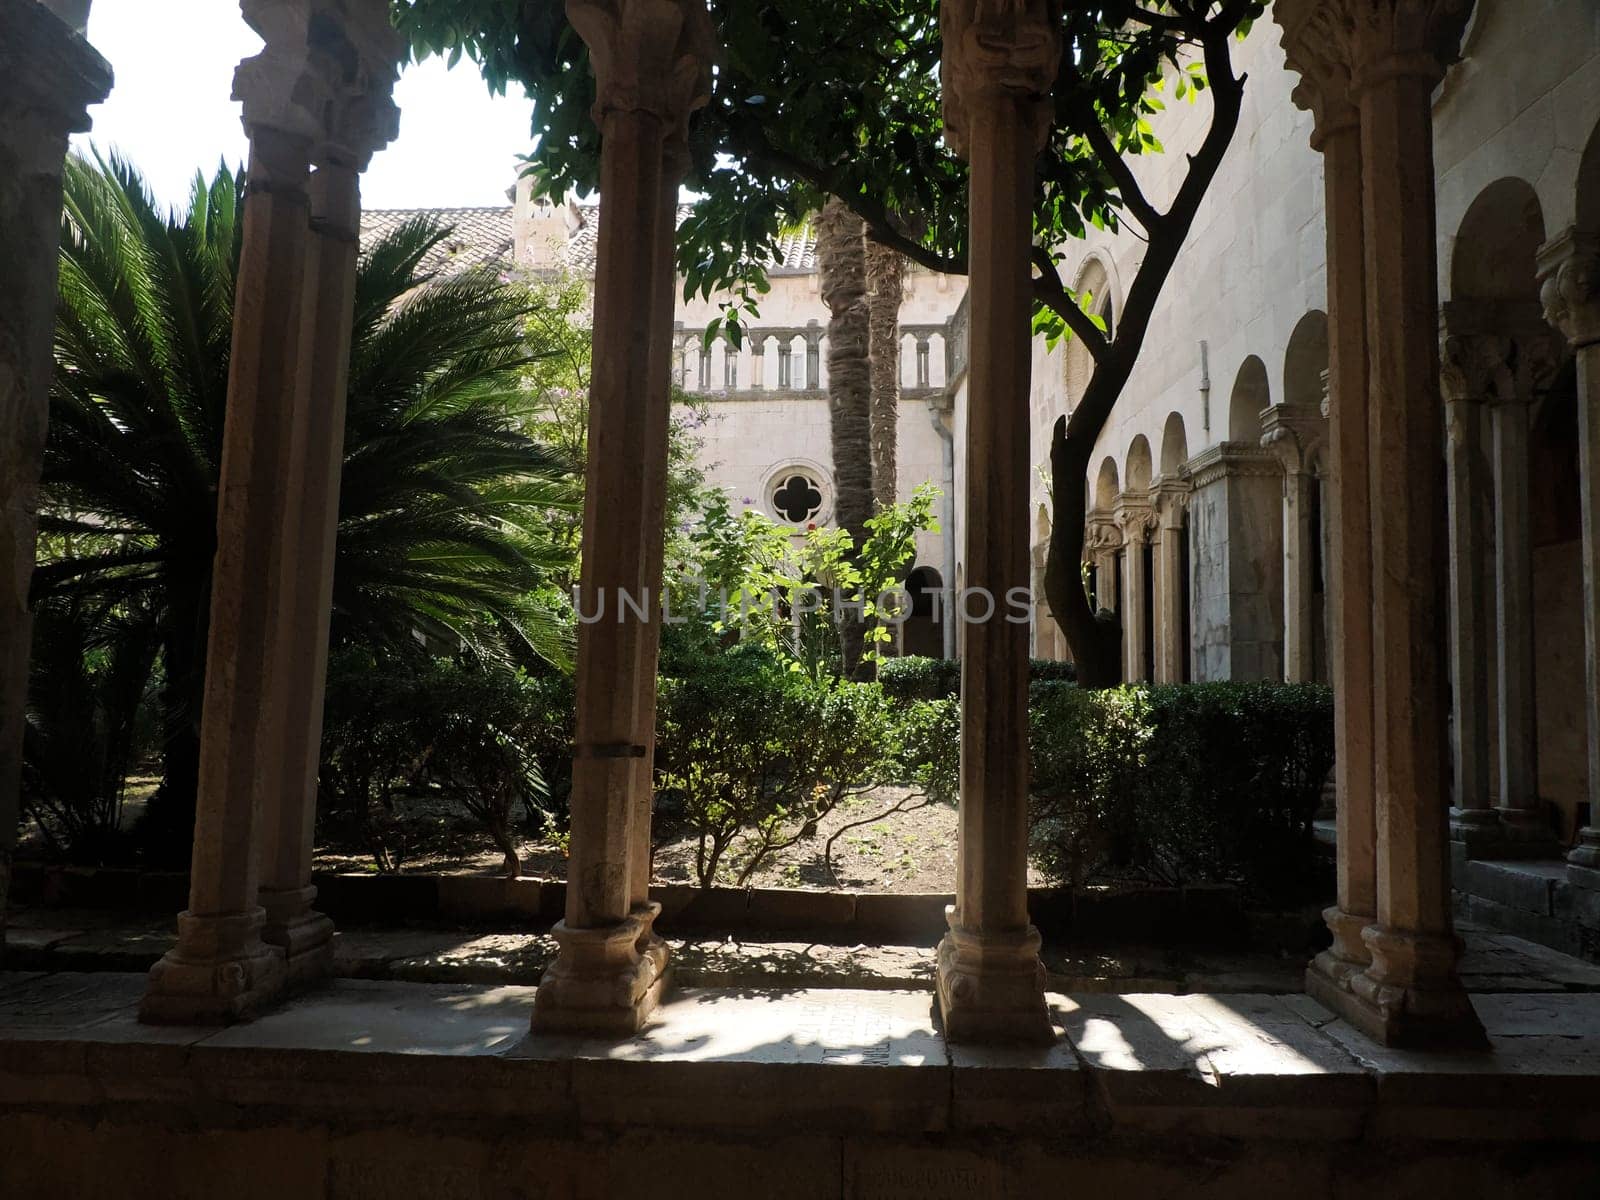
(167, 829)
(841, 255)
(1095, 637)
(885, 287)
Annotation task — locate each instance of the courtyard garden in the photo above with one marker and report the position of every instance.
(447, 734)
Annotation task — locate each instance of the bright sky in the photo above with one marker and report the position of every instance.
(171, 114)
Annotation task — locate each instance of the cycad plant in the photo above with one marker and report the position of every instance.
(444, 506)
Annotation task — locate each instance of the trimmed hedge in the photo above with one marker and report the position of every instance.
(1188, 783)
(916, 678)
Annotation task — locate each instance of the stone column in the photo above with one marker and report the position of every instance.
(1316, 39)
(1527, 368)
(998, 64)
(1467, 362)
(221, 970)
(1101, 542)
(1134, 517)
(1169, 617)
(651, 60)
(1409, 993)
(365, 119)
(1291, 432)
(48, 78)
(1570, 273)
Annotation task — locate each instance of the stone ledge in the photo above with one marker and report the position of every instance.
(1199, 915)
(1253, 1067)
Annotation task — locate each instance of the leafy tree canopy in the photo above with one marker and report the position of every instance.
(842, 97)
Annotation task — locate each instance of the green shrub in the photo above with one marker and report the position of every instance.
(914, 677)
(1177, 784)
(751, 755)
(475, 736)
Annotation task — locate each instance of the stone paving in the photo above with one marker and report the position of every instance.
(94, 940)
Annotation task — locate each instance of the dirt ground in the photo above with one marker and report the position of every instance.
(912, 851)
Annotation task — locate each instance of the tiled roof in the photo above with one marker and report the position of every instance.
(482, 236)
(797, 248)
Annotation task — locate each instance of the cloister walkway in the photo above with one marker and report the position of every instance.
(785, 1092)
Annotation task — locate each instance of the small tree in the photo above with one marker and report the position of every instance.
(857, 116)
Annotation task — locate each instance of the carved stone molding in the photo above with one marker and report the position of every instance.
(1100, 534)
(993, 48)
(1569, 286)
(651, 56)
(1231, 459)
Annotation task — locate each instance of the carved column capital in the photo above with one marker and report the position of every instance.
(1318, 45)
(651, 56)
(1292, 432)
(1171, 499)
(1137, 518)
(1497, 352)
(50, 78)
(1569, 286)
(995, 49)
(325, 77)
(1340, 47)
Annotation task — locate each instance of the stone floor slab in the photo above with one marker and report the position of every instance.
(372, 1016)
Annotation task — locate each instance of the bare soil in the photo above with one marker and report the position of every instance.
(911, 851)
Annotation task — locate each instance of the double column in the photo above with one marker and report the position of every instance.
(998, 66)
(48, 77)
(1570, 290)
(1172, 501)
(1497, 357)
(1369, 68)
(319, 91)
(651, 60)
(1292, 432)
(1135, 516)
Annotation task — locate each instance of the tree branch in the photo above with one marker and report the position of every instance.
(1053, 294)
(1116, 166)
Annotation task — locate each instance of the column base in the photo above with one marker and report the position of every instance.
(991, 986)
(604, 982)
(1478, 831)
(1583, 860)
(220, 972)
(305, 935)
(1409, 996)
(1332, 969)
(5, 900)
(1525, 834)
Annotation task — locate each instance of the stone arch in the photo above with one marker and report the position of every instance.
(1174, 446)
(1251, 394)
(922, 632)
(1106, 489)
(1094, 276)
(1496, 249)
(1306, 360)
(1588, 209)
(1138, 466)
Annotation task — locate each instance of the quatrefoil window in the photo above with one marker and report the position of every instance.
(797, 498)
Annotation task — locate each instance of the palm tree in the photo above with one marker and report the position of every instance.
(842, 262)
(444, 503)
(885, 271)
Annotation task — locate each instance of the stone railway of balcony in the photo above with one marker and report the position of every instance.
(371, 1088)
